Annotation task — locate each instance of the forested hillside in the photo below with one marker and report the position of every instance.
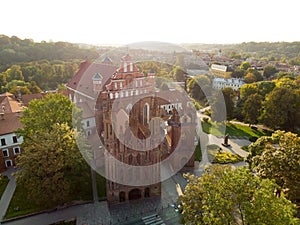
(273, 51)
(37, 66)
(14, 50)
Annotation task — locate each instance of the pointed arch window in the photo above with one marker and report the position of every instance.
(146, 114)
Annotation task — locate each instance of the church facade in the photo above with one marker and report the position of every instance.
(141, 127)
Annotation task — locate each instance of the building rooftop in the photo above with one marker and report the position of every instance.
(9, 122)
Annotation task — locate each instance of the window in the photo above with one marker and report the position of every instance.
(15, 140)
(3, 142)
(17, 150)
(5, 152)
(8, 163)
(88, 133)
(88, 123)
(146, 114)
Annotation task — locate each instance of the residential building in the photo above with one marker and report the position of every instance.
(221, 83)
(10, 110)
(219, 71)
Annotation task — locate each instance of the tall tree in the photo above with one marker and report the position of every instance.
(223, 195)
(265, 87)
(280, 109)
(278, 157)
(269, 71)
(52, 165)
(218, 108)
(252, 108)
(228, 94)
(199, 87)
(250, 78)
(247, 90)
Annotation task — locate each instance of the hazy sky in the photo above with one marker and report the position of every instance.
(128, 21)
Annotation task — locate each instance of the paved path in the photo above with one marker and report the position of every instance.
(52, 217)
(8, 193)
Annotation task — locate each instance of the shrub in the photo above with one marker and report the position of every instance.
(253, 139)
(205, 119)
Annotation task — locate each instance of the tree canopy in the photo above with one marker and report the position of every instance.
(278, 157)
(223, 195)
(52, 167)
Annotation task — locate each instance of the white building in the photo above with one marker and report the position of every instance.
(221, 83)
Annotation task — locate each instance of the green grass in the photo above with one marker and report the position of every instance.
(101, 185)
(20, 201)
(71, 222)
(25, 206)
(198, 153)
(217, 156)
(3, 183)
(217, 129)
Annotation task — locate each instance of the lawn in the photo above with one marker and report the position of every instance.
(101, 185)
(198, 153)
(3, 182)
(71, 222)
(20, 205)
(223, 157)
(232, 130)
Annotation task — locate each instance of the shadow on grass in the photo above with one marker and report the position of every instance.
(232, 130)
(3, 183)
(21, 205)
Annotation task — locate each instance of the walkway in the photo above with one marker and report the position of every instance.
(8, 193)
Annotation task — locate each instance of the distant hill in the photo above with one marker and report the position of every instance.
(275, 50)
(15, 50)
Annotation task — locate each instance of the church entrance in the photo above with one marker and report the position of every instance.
(147, 192)
(122, 196)
(134, 194)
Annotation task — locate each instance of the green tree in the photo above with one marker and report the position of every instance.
(199, 87)
(15, 73)
(228, 94)
(280, 109)
(3, 81)
(269, 71)
(250, 78)
(23, 90)
(247, 90)
(218, 108)
(238, 73)
(34, 88)
(43, 113)
(256, 73)
(265, 87)
(179, 74)
(223, 195)
(252, 108)
(278, 157)
(245, 65)
(52, 167)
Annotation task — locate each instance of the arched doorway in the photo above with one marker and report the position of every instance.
(134, 194)
(122, 196)
(147, 192)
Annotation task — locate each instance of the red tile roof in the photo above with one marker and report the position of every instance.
(9, 123)
(82, 81)
(28, 97)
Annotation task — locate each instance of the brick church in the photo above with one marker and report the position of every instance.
(150, 131)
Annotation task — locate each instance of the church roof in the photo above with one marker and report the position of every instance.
(82, 81)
